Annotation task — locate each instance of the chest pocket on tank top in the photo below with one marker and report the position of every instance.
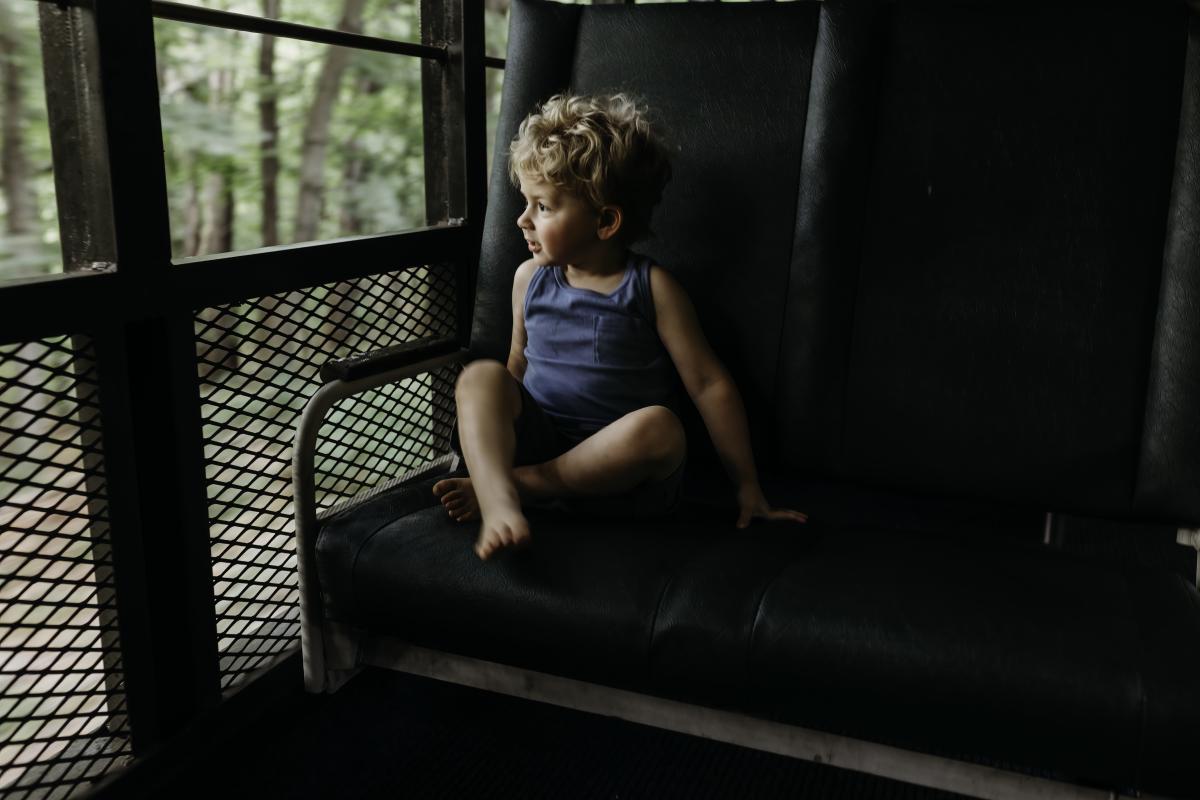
(624, 341)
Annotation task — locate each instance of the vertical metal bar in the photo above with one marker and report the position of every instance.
(449, 133)
(70, 65)
(96, 488)
(474, 152)
(166, 443)
(129, 87)
(125, 538)
(441, 94)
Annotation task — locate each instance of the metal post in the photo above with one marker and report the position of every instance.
(166, 444)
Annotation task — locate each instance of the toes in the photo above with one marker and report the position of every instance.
(448, 487)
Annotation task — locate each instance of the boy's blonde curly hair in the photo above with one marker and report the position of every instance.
(599, 147)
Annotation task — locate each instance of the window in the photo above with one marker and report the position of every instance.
(141, 395)
(274, 140)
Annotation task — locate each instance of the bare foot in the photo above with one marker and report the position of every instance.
(502, 528)
(458, 497)
(505, 528)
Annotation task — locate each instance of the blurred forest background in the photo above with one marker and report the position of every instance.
(266, 140)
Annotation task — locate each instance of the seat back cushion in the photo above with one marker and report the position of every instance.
(1012, 245)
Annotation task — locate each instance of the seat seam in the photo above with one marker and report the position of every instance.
(776, 379)
(654, 626)
(358, 552)
(758, 606)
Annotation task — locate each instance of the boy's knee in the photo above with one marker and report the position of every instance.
(661, 433)
(479, 373)
(488, 377)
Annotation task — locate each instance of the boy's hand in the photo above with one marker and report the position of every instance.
(753, 504)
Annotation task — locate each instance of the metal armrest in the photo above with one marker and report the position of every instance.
(362, 373)
(398, 356)
(1190, 537)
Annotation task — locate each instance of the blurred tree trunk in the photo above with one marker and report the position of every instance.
(14, 164)
(268, 117)
(340, 318)
(216, 233)
(191, 211)
(316, 128)
(357, 168)
(216, 236)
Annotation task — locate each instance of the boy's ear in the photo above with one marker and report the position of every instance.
(609, 222)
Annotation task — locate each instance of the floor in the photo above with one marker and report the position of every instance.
(391, 735)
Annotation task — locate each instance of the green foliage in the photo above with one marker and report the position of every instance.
(209, 94)
(209, 99)
(37, 252)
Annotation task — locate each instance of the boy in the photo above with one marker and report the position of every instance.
(583, 406)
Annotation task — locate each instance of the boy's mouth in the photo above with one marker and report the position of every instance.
(533, 246)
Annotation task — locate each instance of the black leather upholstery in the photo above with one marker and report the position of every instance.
(992, 647)
(1012, 249)
(812, 371)
(951, 253)
(1169, 477)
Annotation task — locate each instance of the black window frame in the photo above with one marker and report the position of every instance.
(123, 292)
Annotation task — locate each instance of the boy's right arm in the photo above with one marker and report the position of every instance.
(516, 350)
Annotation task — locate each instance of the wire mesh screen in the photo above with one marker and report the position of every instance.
(258, 364)
(373, 437)
(63, 719)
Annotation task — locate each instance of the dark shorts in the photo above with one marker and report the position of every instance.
(540, 440)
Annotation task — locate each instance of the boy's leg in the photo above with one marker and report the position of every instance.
(489, 402)
(643, 446)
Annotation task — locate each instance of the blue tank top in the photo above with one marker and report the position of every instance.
(593, 358)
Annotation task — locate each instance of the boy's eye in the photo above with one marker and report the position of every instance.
(542, 207)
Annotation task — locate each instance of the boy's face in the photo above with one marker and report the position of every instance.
(559, 226)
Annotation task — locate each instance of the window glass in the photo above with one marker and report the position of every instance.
(388, 19)
(495, 85)
(275, 141)
(495, 27)
(29, 235)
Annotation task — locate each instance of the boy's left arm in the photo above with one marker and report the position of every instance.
(712, 390)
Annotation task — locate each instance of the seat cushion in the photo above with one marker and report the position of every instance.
(581, 601)
(934, 639)
(998, 648)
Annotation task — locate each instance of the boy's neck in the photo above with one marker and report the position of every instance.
(606, 261)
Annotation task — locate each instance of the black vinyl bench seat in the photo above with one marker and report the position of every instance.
(950, 252)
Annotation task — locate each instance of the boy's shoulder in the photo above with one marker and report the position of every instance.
(663, 285)
(524, 273)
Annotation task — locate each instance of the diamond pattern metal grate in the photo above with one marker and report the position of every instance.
(258, 364)
(63, 719)
(372, 437)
